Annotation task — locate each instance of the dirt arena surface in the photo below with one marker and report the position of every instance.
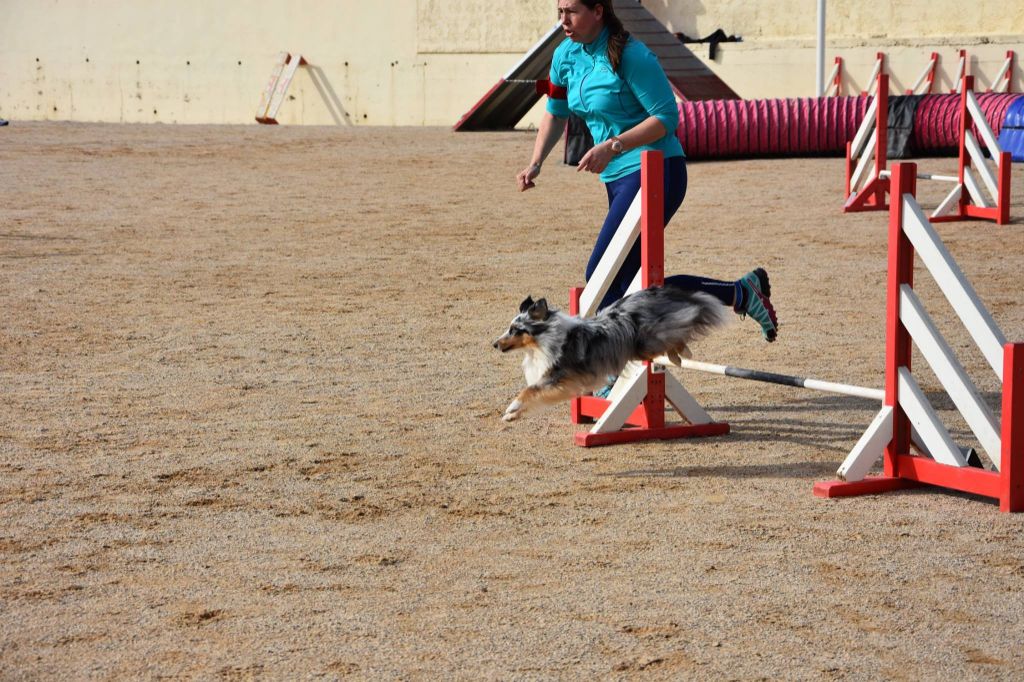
(250, 426)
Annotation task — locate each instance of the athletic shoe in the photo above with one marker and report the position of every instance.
(756, 292)
(606, 390)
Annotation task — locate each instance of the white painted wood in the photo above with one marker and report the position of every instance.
(978, 157)
(982, 125)
(845, 389)
(614, 418)
(920, 413)
(866, 127)
(873, 78)
(268, 92)
(924, 74)
(808, 383)
(951, 201)
(610, 263)
(865, 161)
(961, 65)
(282, 85)
(868, 449)
(1000, 76)
(974, 189)
(828, 89)
(925, 176)
(625, 378)
(684, 403)
(950, 372)
(702, 366)
(954, 284)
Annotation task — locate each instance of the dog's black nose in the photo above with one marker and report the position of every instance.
(494, 345)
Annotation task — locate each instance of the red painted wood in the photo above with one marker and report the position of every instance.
(898, 341)
(964, 479)
(872, 485)
(630, 435)
(881, 139)
(1011, 489)
(576, 414)
(1003, 200)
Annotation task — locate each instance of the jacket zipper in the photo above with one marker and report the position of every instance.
(593, 67)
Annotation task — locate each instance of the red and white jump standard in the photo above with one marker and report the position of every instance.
(635, 409)
(906, 406)
(988, 199)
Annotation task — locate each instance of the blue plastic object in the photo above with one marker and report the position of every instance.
(1011, 137)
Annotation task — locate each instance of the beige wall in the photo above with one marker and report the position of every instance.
(379, 62)
(777, 55)
(423, 62)
(845, 19)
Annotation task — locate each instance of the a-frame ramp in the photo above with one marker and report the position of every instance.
(515, 94)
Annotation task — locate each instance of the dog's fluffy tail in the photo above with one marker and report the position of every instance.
(675, 318)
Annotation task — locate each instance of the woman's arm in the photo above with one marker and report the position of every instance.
(551, 130)
(646, 79)
(597, 159)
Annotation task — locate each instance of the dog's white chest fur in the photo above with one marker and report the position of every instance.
(535, 365)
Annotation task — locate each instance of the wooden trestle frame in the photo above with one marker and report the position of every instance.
(906, 406)
(635, 409)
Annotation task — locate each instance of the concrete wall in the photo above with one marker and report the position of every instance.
(392, 62)
(425, 62)
(777, 55)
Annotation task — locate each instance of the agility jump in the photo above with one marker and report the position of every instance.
(906, 406)
(867, 191)
(635, 409)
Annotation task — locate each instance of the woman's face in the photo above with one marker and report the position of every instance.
(581, 24)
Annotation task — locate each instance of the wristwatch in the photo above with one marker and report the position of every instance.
(616, 144)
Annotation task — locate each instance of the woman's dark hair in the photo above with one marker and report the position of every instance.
(617, 33)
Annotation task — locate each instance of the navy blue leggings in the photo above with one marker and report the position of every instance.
(621, 193)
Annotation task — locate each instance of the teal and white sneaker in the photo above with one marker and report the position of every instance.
(756, 294)
(606, 390)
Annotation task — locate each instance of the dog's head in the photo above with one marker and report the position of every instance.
(526, 326)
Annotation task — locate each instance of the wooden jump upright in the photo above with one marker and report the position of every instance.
(635, 409)
(905, 405)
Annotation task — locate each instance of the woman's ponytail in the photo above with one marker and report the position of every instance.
(617, 33)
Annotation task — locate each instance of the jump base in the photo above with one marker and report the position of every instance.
(873, 485)
(636, 433)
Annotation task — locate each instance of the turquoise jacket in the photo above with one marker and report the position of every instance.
(612, 103)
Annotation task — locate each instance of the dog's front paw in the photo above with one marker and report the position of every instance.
(513, 411)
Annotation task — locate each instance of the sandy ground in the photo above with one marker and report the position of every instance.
(249, 426)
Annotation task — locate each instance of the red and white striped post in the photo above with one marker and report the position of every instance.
(965, 208)
(873, 196)
(901, 469)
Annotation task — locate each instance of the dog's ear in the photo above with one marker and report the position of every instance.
(539, 310)
(525, 305)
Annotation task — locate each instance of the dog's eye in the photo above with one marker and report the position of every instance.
(514, 331)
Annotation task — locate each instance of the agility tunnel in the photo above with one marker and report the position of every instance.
(922, 125)
(1011, 138)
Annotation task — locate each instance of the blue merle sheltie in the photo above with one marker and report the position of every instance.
(569, 356)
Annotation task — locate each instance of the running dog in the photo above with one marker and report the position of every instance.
(569, 356)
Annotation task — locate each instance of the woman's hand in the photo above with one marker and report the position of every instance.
(526, 176)
(596, 160)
